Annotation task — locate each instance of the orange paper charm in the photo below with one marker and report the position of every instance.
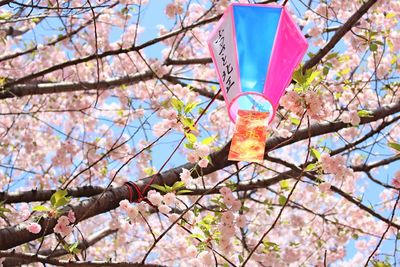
(248, 142)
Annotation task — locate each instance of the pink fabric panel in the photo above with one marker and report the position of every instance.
(289, 49)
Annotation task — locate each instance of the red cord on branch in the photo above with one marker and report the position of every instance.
(140, 197)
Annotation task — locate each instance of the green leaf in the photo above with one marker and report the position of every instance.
(177, 185)
(311, 167)
(55, 198)
(103, 171)
(201, 110)
(271, 246)
(168, 188)
(376, 263)
(312, 77)
(373, 47)
(73, 248)
(284, 184)
(189, 146)
(35, 20)
(325, 71)
(177, 104)
(364, 113)
(395, 146)
(191, 137)
(298, 76)
(294, 121)
(2, 210)
(184, 191)
(74, 245)
(188, 122)
(149, 171)
(5, 16)
(331, 55)
(240, 258)
(199, 236)
(390, 15)
(41, 208)
(208, 140)
(315, 153)
(61, 202)
(159, 187)
(282, 200)
(189, 107)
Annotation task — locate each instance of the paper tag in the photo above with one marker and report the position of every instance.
(248, 142)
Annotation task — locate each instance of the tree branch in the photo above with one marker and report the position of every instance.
(38, 258)
(339, 34)
(9, 262)
(35, 195)
(62, 87)
(15, 235)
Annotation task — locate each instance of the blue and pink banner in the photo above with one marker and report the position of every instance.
(255, 49)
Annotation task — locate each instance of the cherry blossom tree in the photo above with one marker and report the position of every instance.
(111, 155)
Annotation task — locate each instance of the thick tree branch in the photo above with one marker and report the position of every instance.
(38, 258)
(44, 195)
(62, 87)
(14, 236)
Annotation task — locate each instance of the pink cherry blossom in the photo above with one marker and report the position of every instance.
(34, 228)
(225, 191)
(241, 221)
(63, 220)
(191, 251)
(169, 199)
(164, 209)
(132, 212)
(229, 199)
(62, 229)
(71, 216)
(203, 163)
(324, 187)
(185, 176)
(227, 217)
(173, 217)
(236, 205)
(396, 179)
(206, 258)
(124, 204)
(351, 117)
(155, 197)
(192, 157)
(202, 150)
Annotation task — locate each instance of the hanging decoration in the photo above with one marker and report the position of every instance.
(255, 49)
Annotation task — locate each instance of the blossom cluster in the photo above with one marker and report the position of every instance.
(311, 101)
(336, 165)
(63, 226)
(228, 220)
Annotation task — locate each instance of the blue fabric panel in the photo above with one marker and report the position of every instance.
(256, 27)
